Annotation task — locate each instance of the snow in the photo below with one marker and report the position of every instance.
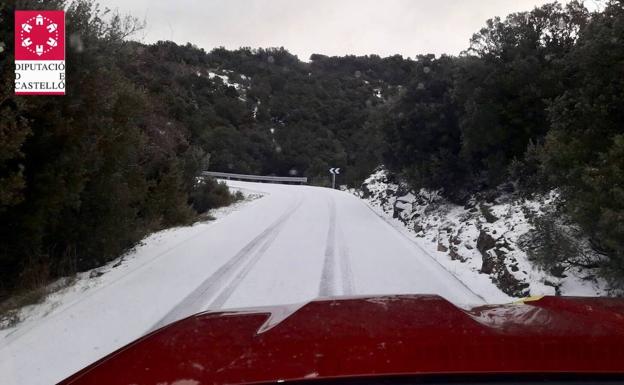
(225, 79)
(294, 244)
(254, 112)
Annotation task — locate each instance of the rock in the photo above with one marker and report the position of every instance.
(489, 263)
(557, 287)
(494, 265)
(469, 247)
(510, 285)
(398, 207)
(490, 196)
(514, 268)
(487, 214)
(558, 271)
(485, 242)
(442, 248)
(453, 253)
(366, 193)
(95, 274)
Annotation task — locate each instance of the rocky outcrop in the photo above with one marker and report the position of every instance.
(484, 232)
(485, 242)
(494, 255)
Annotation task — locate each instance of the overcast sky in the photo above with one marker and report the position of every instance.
(330, 27)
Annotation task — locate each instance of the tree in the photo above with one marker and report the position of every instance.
(582, 153)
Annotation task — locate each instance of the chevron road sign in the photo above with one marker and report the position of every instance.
(334, 171)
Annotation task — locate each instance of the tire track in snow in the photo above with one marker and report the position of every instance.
(335, 267)
(348, 287)
(328, 279)
(222, 283)
(226, 293)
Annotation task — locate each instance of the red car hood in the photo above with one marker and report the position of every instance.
(373, 336)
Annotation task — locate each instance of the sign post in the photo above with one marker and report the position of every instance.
(334, 171)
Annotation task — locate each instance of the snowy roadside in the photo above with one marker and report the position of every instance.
(66, 292)
(479, 243)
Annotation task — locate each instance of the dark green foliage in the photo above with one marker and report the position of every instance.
(462, 122)
(308, 116)
(584, 151)
(14, 127)
(208, 194)
(538, 98)
(555, 245)
(85, 176)
(424, 138)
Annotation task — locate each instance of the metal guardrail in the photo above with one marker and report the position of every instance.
(259, 178)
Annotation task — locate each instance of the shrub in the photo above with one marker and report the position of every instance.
(209, 194)
(557, 244)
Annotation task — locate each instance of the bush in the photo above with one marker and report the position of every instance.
(557, 244)
(209, 194)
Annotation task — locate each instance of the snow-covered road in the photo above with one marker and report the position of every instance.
(295, 244)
